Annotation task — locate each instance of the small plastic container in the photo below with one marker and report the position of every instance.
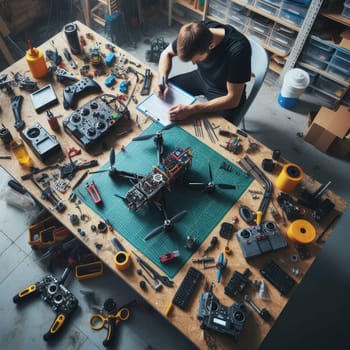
(235, 8)
(258, 36)
(19, 150)
(260, 27)
(344, 55)
(319, 49)
(292, 7)
(276, 3)
(314, 61)
(291, 18)
(329, 86)
(336, 70)
(238, 17)
(346, 11)
(281, 29)
(248, 2)
(282, 39)
(282, 50)
(238, 25)
(269, 9)
(216, 5)
(214, 12)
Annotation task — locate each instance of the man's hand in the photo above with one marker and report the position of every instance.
(161, 92)
(179, 112)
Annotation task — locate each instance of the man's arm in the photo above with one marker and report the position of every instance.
(229, 101)
(164, 68)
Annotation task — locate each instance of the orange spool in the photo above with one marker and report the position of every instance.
(301, 231)
(289, 177)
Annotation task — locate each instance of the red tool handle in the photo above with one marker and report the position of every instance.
(93, 192)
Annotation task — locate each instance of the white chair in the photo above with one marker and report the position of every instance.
(259, 67)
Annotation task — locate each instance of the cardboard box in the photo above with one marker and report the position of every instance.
(330, 131)
(345, 42)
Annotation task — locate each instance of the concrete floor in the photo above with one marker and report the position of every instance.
(315, 318)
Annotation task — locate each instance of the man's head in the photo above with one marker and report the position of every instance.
(194, 42)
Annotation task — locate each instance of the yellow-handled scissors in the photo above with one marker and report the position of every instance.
(98, 321)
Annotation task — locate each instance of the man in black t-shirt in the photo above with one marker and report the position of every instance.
(223, 59)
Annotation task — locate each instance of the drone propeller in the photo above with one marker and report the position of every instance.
(167, 225)
(210, 186)
(119, 196)
(111, 162)
(146, 137)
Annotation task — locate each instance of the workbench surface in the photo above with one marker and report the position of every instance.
(256, 328)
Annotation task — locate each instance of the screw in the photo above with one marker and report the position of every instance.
(263, 313)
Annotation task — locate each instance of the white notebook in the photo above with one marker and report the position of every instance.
(157, 108)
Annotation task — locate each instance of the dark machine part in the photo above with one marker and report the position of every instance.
(278, 277)
(313, 201)
(268, 165)
(24, 83)
(249, 166)
(146, 83)
(56, 295)
(71, 31)
(16, 105)
(68, 171)
(41, 142)
(64, 76)
(246, 214)
(154, 274)
(89, 124)
(263, 313)
(288, 205)
(238, 283)
(157, 46)
(47, 194)
(187, 288)
(219, 318)
(260, 239)
(226, 230)
(5, 135)
(69, 58)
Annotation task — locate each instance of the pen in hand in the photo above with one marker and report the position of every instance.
(163, 84)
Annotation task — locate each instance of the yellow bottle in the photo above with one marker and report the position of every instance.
(20, 152)
(36, 61)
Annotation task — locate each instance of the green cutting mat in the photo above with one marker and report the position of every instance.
(204, 210)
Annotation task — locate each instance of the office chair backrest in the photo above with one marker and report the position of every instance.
(260, 65)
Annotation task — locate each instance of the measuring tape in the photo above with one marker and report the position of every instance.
(301, 231)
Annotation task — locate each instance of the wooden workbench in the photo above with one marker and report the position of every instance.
(186, 321)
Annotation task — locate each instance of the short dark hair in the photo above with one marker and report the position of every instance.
(194, 38)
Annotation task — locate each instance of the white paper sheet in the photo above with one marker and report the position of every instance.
(157, 108)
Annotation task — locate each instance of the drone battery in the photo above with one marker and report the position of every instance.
(42, 144)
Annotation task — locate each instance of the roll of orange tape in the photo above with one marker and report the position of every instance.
(289, 177)
(122, 260)
(301, 231)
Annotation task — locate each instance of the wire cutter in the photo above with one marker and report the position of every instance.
(98, 320)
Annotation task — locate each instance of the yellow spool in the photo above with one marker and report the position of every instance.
(301, 231)
(289, 177)
(122, 260)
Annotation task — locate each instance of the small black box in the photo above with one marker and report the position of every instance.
(43, 144)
